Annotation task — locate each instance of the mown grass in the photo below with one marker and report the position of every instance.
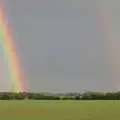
(59, 110)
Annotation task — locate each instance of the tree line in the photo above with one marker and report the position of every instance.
(60, 96)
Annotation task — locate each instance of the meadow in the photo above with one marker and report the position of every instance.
(59, 110)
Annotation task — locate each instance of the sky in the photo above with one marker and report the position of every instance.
(61, 44)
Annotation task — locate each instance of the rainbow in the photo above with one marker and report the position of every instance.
(9, 51)
(111, 42)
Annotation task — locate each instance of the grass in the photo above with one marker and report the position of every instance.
(59, 110)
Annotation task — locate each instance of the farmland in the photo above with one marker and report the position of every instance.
(59, 110)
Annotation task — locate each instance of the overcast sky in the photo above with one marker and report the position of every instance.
(60, 44)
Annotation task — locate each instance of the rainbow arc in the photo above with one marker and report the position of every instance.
(9, 51)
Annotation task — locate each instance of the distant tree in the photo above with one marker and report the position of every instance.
(56, 98)
(77, 97)
(30, 96)
(19, 96)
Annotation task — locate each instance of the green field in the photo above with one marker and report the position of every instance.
(59, 110)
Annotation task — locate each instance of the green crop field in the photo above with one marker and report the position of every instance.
(59, 110)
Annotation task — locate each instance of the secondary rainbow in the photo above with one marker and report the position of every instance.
(9, 51)
(111, 41)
